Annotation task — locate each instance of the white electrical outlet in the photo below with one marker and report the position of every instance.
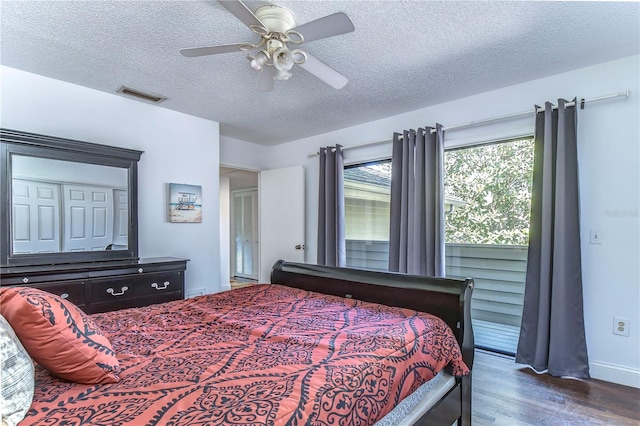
(621, 326)
(595, 237)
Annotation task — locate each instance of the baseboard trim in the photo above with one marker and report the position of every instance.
(196, 292)
(619, 374)
(225, 286)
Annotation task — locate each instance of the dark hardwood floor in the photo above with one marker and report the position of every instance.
(506, 393)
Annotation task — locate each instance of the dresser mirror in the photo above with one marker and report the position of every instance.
(66, 201)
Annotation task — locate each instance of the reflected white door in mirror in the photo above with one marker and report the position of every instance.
(94, 217)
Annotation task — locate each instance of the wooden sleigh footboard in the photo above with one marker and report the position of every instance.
(449, 299)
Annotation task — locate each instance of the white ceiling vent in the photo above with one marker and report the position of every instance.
(141, 96)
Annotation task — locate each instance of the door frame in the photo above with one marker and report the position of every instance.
(265, 261)
(225, 224)
(232, 237)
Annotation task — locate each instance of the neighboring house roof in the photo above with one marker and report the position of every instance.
(381, 178)
(367, 175)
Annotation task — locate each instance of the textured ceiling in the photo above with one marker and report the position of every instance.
(403, 55)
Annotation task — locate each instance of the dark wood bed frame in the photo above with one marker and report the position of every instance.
(448, 299)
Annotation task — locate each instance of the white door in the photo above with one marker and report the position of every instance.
(120, 219)
(244, 225)
(36, 217)
(88, 218)
(282, 215)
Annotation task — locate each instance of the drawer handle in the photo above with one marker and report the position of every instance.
(25, 280)
(157, 287)
(113, 293)
(64, 295)
(140, 270)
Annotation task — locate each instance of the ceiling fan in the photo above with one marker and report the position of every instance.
(273, 57)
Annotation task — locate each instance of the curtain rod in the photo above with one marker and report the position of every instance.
(345, 148)
(583, 101)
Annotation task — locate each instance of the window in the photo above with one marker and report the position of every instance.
(367, 192)
(487, 207)
(491, 188)
(487, 233)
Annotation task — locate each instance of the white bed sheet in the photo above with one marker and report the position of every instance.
(419, 402)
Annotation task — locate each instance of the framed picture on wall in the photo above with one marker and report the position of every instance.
(185, 203)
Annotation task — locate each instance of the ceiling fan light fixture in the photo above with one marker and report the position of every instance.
(278, 31)
(282, 75)
(299, 56)
(275, 18)
(258, 61)
(283, 59)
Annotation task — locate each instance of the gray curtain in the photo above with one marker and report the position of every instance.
(416, 238)
(552, 334)
(331, 240)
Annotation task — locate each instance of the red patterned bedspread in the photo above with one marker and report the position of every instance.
(264, 354)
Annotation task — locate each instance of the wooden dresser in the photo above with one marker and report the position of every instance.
(105, 286)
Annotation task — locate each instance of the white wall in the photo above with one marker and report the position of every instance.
(609, 152)
(37, 104)
(241, 154)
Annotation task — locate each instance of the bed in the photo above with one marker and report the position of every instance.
(319, 345)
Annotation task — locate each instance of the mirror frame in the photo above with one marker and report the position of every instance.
(14, 142)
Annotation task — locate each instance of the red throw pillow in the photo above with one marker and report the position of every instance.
(59, 336)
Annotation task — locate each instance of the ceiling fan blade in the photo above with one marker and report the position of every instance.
(330, 76)
(211, 50)
(329, 26)
(242, 12)
(265, 80)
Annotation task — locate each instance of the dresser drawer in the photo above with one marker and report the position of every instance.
(105, 286)
(70, 290)
(35, 280)
(128, 290)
